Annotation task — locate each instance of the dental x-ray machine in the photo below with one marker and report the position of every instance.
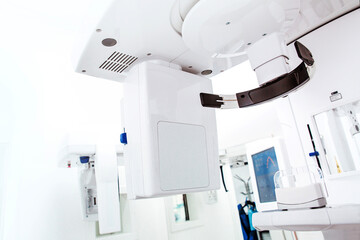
(164, 52)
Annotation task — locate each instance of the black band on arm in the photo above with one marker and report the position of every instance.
(210, 100)
(277, 88)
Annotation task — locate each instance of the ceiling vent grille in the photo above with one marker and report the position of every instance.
(118, 62)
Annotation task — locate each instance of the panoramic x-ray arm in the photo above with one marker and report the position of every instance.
(272, 89)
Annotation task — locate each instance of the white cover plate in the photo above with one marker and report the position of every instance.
(107, 189)
(183, 156)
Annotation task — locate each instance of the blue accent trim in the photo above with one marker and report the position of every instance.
(123, 138)
(314, 154)
(84, 159)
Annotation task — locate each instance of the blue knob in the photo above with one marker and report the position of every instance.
(123, 138)
(84, 159)
(313, 154)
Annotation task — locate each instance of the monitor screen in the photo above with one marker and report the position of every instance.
(265, 167)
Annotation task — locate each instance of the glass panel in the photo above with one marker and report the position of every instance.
(339, 132)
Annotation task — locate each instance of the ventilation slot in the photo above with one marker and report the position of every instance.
(118, 62)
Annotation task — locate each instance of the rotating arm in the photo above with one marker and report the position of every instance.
(278, 87)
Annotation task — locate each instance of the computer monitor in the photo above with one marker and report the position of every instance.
(265, 166)
(264, 157)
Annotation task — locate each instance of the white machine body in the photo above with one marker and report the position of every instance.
(299, 188)
(171, 139)
(310, 196)
(269, 58)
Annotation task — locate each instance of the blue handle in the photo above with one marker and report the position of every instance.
(84, 159)
(123, 138)
(314, 154)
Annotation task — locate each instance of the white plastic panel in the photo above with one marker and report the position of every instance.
(299, 195)
(294, 220)
(182, 156)
(228, 27)
(344, 219)
(268, 57)
(107, 189)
